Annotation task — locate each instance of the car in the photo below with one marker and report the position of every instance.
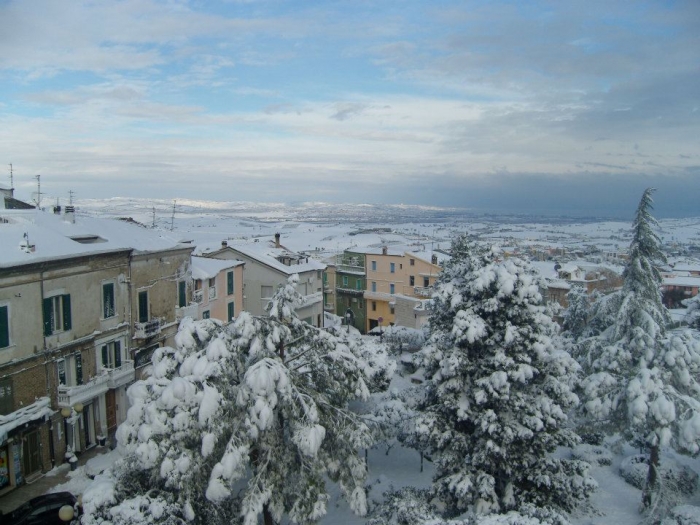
(42, 510)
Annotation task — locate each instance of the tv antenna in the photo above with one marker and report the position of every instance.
(172, 219)
(12, 181)
(154, 217)
(70, 197)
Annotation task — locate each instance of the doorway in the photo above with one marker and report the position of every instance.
(31, 453)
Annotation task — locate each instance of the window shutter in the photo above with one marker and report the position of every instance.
(143, 307)
(107, 300)
(66, 312)
(230, 311)
(105, 356)
(78, 369)
(4, 327)
(48, 314)
(181, 294)
(229, 283)
(117, 354)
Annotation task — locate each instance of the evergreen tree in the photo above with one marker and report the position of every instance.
(576, 315)
(237, 424)
(642, 381)
(497, 392)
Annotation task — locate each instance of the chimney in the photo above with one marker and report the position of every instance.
(224, 244)
(385, 250)
(69, 214)
(434, 259)
(277, 240)
(57, 210)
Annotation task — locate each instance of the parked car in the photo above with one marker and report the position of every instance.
(42, 510)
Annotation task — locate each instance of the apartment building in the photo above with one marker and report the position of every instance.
(268, 265)
(82, 303)
(217, 288)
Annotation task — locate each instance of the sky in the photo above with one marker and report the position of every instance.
(561, 107)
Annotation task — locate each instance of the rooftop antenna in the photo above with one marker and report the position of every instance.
(38, 191)
(12, 180)
(172, 219)
(154, 217)
(70, 197)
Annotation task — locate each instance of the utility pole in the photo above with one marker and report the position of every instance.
(70, 197)
(172, 219)
(154, 217)
(38, 191)
(12, 181)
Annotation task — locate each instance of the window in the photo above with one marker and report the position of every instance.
(112, 355)
(198, 284)
(391, 288)
(345, 280)
(391, 310)
(412, 280)
(212, 282)
(360, 304)
(392, 267)
(426, 281)
(400, 266)
(206, 314)
(231, 311)
(57, 316)
(4, 327)
(374, 306)
(70, 370)
(182, 294)
(358, 284)
(266, 292)
(374, 286)
(229, 283)
(318, 274)
(108, 300)
(143, 306)
(374, 266)
(412, 262)
(325, 278)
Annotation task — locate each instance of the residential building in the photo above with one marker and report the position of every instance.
(268, 265)
(217, 288)
(69, 330)
(350, 285)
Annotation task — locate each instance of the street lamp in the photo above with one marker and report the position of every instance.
(349, 316)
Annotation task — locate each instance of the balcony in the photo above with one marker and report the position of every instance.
(68, 396)
(120, 376)
(347, 268)
(147, 329)
(212, 293)
(311, 299)
(423, 291)
(186, 311)
(329, 308)
(198, 296)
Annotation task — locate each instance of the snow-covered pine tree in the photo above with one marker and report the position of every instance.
(235, 424)
(642, 381)
(692, 315)
(498, 390)
(576, 314)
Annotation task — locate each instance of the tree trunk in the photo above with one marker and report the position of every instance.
(652, 477)
(267, 517)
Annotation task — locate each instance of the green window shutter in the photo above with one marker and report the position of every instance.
(117, 354)
(143, 307)
(182, 294)
(48, 316)
(105, 356)
(108, 300)
(78, 369)
(229, 283)
(230, 311)
(66, 313)
(4, 327)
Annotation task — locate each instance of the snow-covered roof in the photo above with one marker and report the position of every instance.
(378, 251)
(269, 257)
(427, 256)
(559, 284)
(54, 237)
(545, 269)
(207, 268)
(684, 267)
(682, 281)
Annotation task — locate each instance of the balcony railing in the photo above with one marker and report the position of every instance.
(198, 296)
(329, 307)
(310, 299)
(423, 291)
(212, 293)
(347, 268)
(186, 311)
(147, 329)
(120, 376)
(68, 396)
